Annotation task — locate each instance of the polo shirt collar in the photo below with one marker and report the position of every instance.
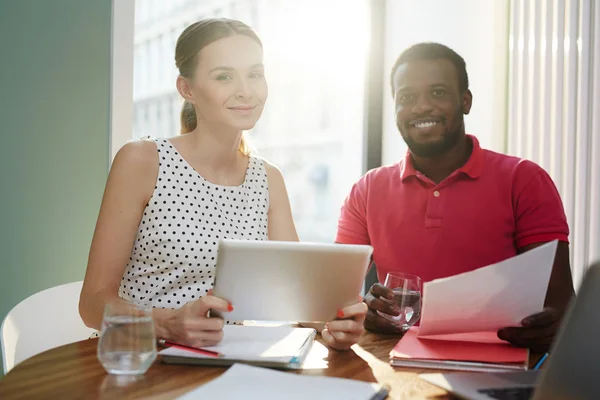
(472, 168)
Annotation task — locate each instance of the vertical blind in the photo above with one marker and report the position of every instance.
(554, 108)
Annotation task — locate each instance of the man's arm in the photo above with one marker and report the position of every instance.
(352, 224)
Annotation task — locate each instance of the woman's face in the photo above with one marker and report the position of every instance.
(229, 87)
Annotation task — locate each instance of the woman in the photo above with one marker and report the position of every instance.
(168, 202)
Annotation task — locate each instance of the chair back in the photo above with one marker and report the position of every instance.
(42, 321)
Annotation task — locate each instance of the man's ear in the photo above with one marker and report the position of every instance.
(467, 101)
(184, 89)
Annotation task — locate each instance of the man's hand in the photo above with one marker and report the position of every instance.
(537, 331)
(373, 300)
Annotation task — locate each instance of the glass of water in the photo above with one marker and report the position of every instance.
(127, 344)
(407, 299)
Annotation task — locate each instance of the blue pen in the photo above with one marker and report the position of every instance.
(540, 361)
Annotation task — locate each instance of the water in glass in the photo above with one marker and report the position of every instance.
(407, 300)
(127, 344)
(409, 305)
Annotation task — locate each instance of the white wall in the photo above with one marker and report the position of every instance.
(121, 74)
(475, 29)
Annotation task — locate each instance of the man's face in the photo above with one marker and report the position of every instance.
(430, 106)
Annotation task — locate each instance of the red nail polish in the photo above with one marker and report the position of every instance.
(340, 314)
(229, 307)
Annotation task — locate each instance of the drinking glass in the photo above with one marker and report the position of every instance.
(127, 344)
(407, 299)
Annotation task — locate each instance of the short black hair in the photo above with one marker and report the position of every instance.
(432, 51)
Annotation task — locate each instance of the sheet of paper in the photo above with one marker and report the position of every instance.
(247, 382)
(488, 298)
(253, 342)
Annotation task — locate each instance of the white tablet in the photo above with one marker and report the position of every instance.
(289, 281)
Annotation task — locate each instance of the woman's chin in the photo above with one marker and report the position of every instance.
(245, 126)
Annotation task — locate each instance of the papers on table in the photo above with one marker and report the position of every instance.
(280, 347)
(480, 354)
(244, 381)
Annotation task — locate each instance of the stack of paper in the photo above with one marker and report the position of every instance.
(461, 315)
(247, 382)
(278, 347)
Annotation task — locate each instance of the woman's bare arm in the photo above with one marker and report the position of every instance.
(281, 222)
(128, 189)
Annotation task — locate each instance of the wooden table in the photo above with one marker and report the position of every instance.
(73, 372)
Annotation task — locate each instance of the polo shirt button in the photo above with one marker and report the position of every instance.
(436, 193)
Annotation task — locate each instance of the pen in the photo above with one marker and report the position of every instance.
(540, 361)
(205, 352)
(382, 394)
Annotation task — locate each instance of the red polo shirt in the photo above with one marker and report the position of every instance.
(481, 214)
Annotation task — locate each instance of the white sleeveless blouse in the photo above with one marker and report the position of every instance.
(174, 254)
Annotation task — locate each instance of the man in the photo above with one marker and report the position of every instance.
(450, 206)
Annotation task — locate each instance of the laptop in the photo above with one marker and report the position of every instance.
(572, 370)
(289, 281)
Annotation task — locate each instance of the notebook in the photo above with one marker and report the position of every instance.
(474, 352)
(461, 315)
(249, 382)
(282, 347)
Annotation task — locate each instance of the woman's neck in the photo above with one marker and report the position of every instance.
(214, 154)
(216, 148)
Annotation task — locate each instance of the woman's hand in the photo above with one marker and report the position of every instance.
(343, 332)
(191, 324)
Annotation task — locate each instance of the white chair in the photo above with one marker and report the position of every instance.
(42, 321)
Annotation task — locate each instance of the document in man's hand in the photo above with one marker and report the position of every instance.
(244, 381)
(282, 347)
(488, 298)
(461, 314)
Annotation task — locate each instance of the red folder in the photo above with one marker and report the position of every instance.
(481, 351)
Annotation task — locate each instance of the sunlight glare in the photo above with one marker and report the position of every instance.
(293, 39)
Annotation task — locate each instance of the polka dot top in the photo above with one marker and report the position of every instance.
(174, 254)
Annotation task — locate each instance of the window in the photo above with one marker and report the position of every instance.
(312, 127)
